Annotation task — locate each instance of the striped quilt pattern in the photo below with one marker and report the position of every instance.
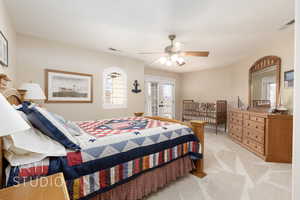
(98, 181)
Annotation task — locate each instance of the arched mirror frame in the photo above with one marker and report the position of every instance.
(263, 63)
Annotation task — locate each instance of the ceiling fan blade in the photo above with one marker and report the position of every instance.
(150, 52)
(196, 53)
(153, 62)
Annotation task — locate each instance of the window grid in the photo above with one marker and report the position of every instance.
(115, 88)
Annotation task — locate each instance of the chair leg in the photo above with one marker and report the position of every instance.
(225, 127)
(216, 129)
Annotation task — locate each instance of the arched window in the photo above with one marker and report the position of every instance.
(114, 88)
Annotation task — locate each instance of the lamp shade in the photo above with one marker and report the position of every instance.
(10, 120)
(33, 91)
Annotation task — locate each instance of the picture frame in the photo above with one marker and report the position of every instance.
(68, 87)
(289, 79)
(3, 50)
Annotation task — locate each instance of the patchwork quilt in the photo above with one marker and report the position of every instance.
(112, 153)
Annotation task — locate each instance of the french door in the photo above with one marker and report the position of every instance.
(160, 98)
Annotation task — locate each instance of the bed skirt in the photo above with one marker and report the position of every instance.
(148, 182)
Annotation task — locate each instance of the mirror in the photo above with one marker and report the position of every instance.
(264, 82)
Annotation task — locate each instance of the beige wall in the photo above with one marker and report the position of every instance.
(177, 78)
(232, 81)
(9, 32)
(35, 55)
(208, 85)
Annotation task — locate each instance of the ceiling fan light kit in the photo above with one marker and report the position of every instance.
(174, 54)
(162, 60)
(169, 63)
(173, 59)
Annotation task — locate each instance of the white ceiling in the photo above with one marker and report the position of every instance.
(229, 29)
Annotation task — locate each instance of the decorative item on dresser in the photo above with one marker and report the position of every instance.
(269, 136)
(212, 113)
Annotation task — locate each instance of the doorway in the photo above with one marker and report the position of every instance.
(160, 96)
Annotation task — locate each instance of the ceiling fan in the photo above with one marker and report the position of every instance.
(174, 54)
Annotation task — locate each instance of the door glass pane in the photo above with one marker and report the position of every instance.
(166, 100)
(159, 99)
(152, 98)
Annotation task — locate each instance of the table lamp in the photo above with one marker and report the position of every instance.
(34, 92)
(10, 120)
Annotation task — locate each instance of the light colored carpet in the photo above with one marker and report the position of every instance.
(233, 173)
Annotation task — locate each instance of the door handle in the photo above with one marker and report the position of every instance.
(161, 106)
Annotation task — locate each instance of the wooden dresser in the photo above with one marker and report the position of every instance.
(269, 136)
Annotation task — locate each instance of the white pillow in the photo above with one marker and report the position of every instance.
(23, 159)
(72, 128)
(32, 144)
(50, 126)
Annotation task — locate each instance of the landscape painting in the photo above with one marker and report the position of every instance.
(68, 87)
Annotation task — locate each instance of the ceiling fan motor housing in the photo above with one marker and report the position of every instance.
(172, 37)
(172, 50)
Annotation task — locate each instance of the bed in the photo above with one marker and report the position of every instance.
(135, 157)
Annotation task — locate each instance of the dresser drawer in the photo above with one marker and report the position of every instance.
(257, 119)
(235, 120)
(236, 136)
(236, 115)
(235, 128)
(258, 136)
(236, 132)
(246, 116)
(256, 126)
(255, 146)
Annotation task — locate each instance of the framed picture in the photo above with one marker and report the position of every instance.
(3, 50)
(289, 79)
(68, 87)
